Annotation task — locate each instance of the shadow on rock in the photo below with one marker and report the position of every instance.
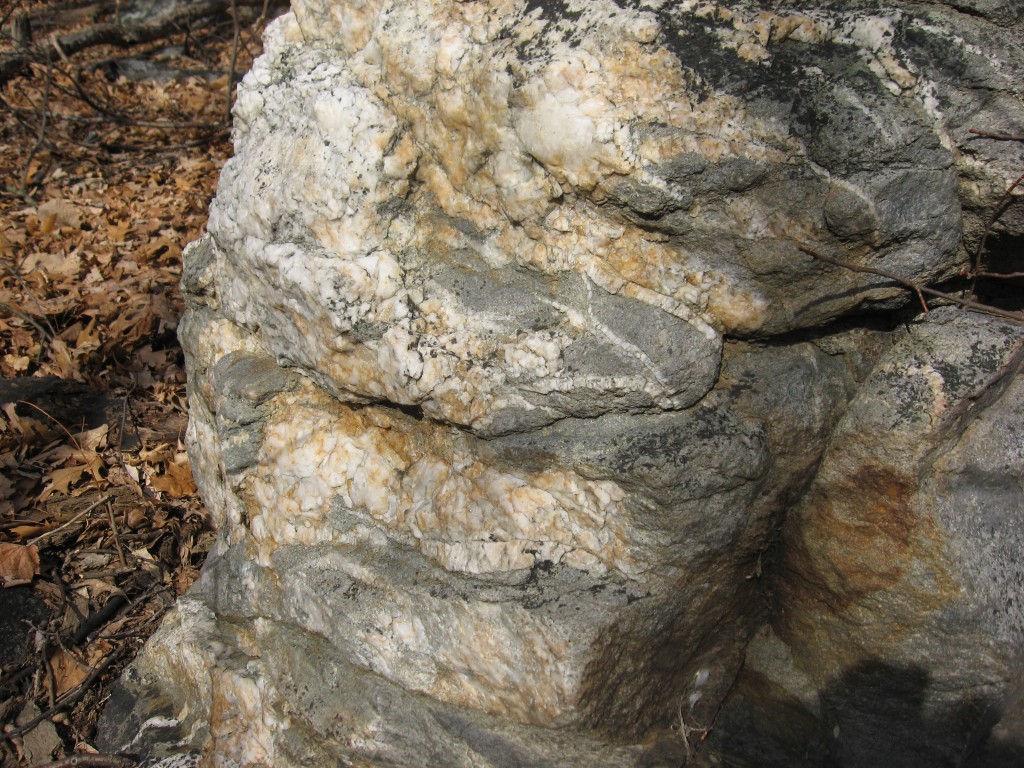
(873, 715)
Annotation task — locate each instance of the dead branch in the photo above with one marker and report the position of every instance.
(1004, 201)
(44, 110)
(71, 697)
(918, 288)
(1000, 275)
(27, 318)
(234, 63)
(976, 270)
(125, 120)
(996, 136)
(113, 34)
(91, 761)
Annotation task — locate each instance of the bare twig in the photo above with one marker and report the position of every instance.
(234, 61)
(13, 272)
(69, 698)
(685, 730)
(976, 270)
(41, 137)
(125, 120)
(996, 213)
(91, 761)
(1000, 275)
(117, 538)
(919, 289)
(54, 420)
(27, 318)
(103, 616)
(118, 35)
(51, 679)
(263, 15)
(59, 582)
(997, 136)
(70, 522)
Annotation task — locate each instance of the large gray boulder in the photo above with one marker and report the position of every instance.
(531, 435)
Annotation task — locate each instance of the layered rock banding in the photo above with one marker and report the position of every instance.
(532, 437)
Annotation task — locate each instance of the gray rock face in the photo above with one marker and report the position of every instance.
(900, 630)
(532, 437)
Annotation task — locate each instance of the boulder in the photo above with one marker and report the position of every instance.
(899, 631)
(525, 420)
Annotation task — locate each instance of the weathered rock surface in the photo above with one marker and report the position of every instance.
(900, 627)
(524, 420)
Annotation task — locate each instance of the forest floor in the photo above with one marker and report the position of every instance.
(109, 158)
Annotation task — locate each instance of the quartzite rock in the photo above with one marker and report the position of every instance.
(514, 399)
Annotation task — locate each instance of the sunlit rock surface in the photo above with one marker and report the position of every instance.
(534, 439)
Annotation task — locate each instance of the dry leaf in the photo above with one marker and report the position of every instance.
(159, 453)
(17, 363)
(54, 265)
(88, 338)
(66, 367)
(117, 233)
(100, 649)
(62, 479)
(92, 439)
(67, 671)
(184, 579)
(149, 563)
(144, 555)
(27, 531)
(64, 213)
(160, 247)
(134, 518)
(10, 411)
(154, 359)
(97, 588)
(18, 563)
(176, 481)
(47, 223)
(144, 379)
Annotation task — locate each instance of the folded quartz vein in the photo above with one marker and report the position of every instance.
(531, 436)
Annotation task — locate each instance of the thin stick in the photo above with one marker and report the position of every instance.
(55, 576)
(13, 272)
(91, 761)
(72, 521)
(51, 679)
(996, 213)
(1002, 275)
(71, 697)
(27, 318)
(117, 539)
(263, 16)
(917, 288)
(42, 128)
(51, 418)
(996, 136)
(16, 676)
(234, 62)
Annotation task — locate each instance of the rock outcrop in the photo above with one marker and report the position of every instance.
(534, 438)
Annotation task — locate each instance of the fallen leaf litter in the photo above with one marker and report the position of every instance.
(104, 180)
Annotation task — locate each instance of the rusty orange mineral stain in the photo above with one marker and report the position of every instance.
(858, 537)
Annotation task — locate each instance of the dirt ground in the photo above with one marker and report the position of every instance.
(109, 157)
